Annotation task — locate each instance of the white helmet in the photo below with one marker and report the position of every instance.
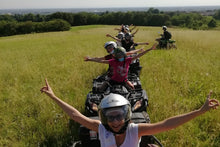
(114, 45)
(114, 102)
(120, 35)
(164, 27)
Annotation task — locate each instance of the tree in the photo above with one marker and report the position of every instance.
(212, 23)
(217, 15)
(153, 11)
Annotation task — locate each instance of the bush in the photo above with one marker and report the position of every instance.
(212, 23)
(13, 28)
(57, 25)
(8, 28)
(25, 27)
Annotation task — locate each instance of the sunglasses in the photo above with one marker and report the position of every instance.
(118, 117)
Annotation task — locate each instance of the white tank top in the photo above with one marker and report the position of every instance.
(107, 138)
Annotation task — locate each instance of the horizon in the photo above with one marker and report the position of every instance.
(112, 7)
(47, 11)
(58, 4)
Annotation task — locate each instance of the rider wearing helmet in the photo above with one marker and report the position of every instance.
(120, 36)
(164, 37)
(166, 34)
(115, 114)
(114, 106)
(120, 64)
(127, 42)
(110, 46)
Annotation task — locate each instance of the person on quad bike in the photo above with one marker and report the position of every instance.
(126, 29)
(120, 36)
(127, 42)
(165, 37)
(120, 64)
(110, 46)
(115, 128)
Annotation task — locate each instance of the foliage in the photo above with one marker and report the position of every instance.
(212, 23)
(151, 17)
(176, 81)
(217, 15)
(13, 28)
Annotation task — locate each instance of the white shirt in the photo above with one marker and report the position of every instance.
(107, 138)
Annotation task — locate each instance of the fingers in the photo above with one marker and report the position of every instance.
(213, 103)
(47, 84)
(209, 95)
(44, 89)
(85, 58)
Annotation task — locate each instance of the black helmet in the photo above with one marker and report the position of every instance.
(114, 45)
(114, 102)
(128, 36)
(119, 52)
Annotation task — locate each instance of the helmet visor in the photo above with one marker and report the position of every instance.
(115, 114)
(109, 47)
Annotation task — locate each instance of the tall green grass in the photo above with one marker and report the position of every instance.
(176, 81)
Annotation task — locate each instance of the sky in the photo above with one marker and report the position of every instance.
(30, 4)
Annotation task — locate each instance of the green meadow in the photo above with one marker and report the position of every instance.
(176, 81)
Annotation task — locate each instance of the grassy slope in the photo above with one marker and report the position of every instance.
(176, 81)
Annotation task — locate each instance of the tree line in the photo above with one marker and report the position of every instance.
(62, 21)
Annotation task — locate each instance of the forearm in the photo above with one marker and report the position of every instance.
(134, 51)
(96, 59)
(167, 124)
(76, 115)
(68, 109)
(108, 35)
(142, 43)
(178, 120)
(141, 54)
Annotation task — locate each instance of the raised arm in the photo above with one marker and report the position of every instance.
(71, 111)
(134, 51)
(142, 43)
(134, 32)
(108, 35)
(131, 29)
(98, 60)
(173, 122)
(144, 52)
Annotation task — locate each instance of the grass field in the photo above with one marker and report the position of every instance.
(176, 81)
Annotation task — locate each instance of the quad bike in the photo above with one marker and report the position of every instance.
(138, 99)
(165, 44)
(135, 68)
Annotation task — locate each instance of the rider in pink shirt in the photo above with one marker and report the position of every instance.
(120, 66)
